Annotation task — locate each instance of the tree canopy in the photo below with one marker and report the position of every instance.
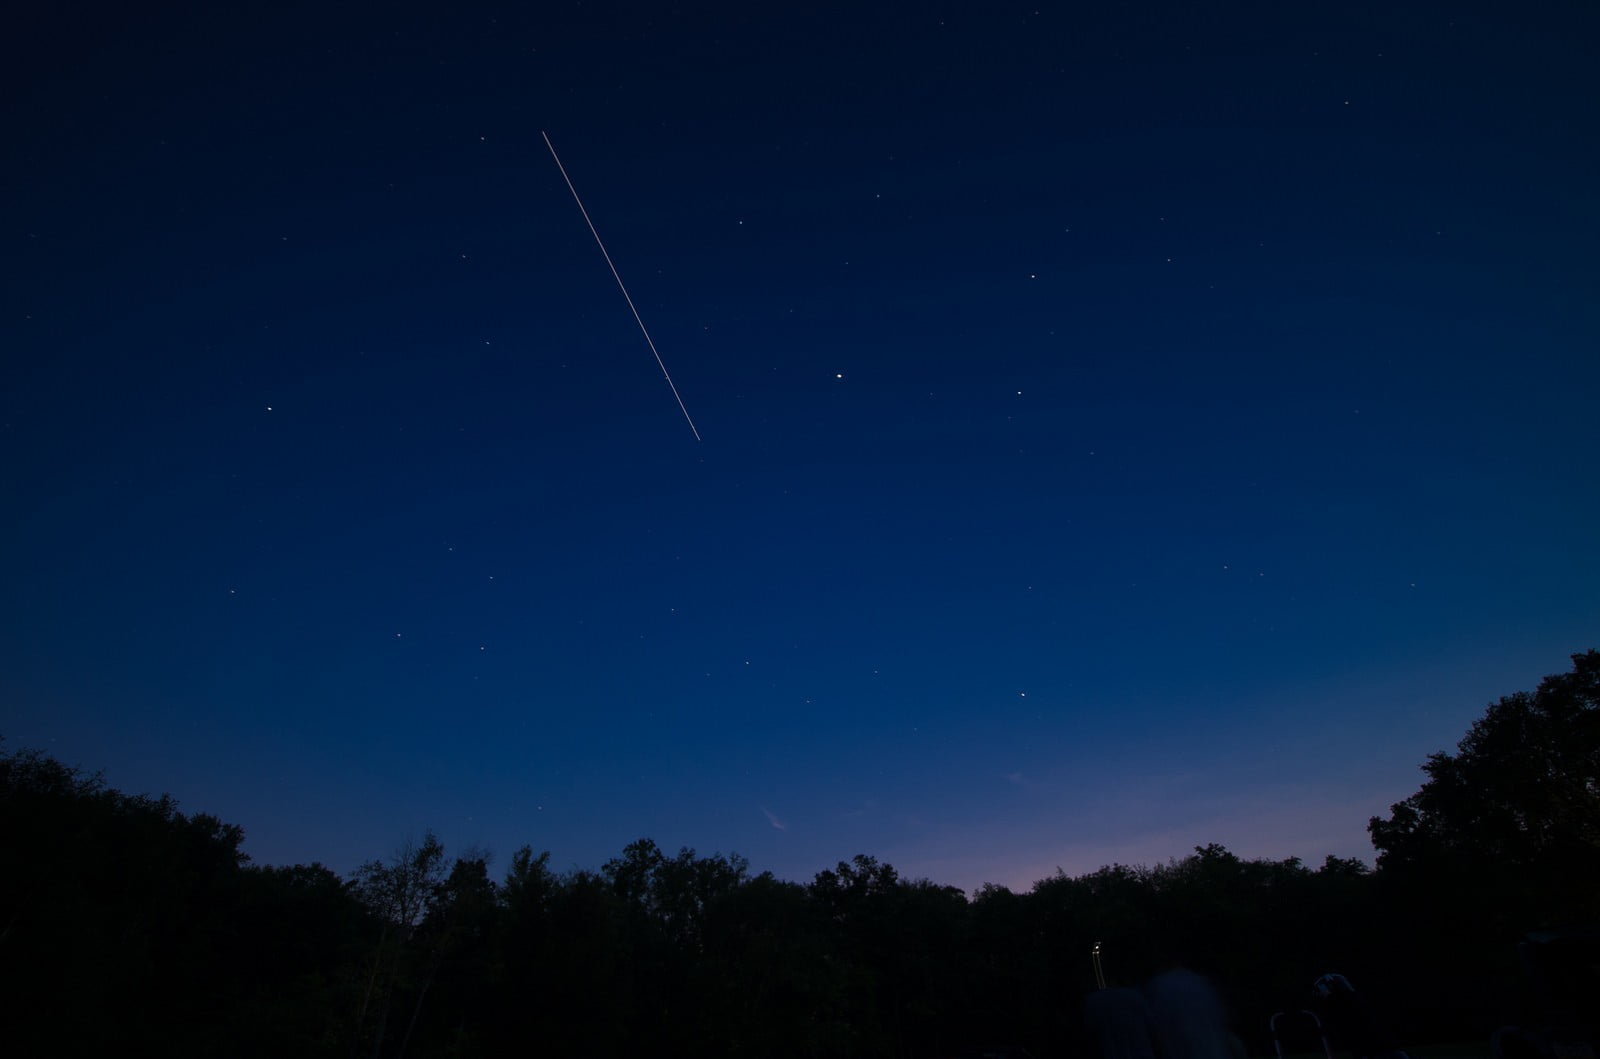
(126, 923)
(1513, 815)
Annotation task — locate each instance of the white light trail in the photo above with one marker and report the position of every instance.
(620, 286)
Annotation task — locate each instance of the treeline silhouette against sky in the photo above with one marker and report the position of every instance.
(132, 927)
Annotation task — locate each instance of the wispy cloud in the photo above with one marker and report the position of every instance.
(772, 818)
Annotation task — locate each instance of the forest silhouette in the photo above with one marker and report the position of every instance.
(129, 927)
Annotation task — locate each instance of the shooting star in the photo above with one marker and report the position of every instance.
(620, 286)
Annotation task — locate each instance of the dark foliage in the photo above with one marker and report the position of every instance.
(1502, 838)
(1517, 807)
(131, 928)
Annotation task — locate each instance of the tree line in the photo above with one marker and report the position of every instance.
(127, 926)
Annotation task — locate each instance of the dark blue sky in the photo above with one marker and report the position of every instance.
(1122, 429)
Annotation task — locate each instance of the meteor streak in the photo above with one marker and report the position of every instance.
(620, 286)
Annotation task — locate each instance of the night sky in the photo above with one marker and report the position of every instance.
(1124, 427)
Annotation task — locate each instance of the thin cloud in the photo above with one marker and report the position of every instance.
(772, 818)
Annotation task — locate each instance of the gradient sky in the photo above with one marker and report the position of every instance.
(1122, 431)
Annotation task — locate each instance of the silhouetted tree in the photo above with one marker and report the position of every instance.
(773, 981)
(1502, 837)
(299, 938)
(900, 948)
(398, 894)
(453, 947)
(1517, 807)
(128, 927)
